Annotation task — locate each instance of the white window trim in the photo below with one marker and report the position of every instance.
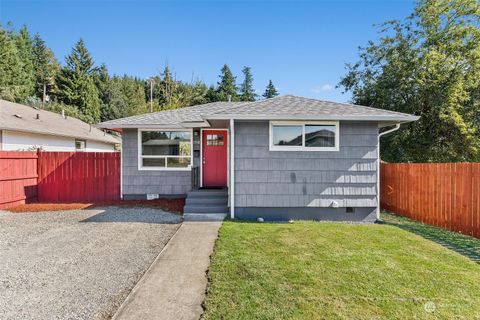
(140, 157)
(272, 147)
(80, 149)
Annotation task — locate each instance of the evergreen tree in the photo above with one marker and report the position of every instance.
(211, 95)
(199, 91)
(134, 96)
(188, 94)
(172, 94)
(10, 67)
(24, 45)
(46, 67)
(247, 93)
(226, 86)
(270, 91)
(108, 95)
(119, 96)
(16, 66)
(167, 87)
(76, 83)
(80, 59)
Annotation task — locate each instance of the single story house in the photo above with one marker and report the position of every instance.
(25, 128)
(283, 158)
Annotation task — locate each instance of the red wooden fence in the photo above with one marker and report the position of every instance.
(58, 177)
(18, 177)
(78, 176)
(446, 195)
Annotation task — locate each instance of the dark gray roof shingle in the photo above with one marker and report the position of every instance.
(172, 118)
(279, 108)
(293, 105)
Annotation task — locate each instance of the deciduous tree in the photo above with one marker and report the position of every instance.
(428, 65)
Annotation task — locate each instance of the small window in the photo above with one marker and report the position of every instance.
(304, 136)
(214, 140)
(350, 210)
(80, 144)
(165, 149)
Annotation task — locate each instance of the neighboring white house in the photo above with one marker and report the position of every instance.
(26, 128)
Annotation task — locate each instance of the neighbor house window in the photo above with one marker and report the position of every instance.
(80, 145)
(304, 136)
(165, 149)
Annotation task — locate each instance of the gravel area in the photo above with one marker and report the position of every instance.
(76, 264)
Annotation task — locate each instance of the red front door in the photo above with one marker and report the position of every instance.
(214, 158)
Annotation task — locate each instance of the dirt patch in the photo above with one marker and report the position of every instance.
(169, 205)
(36, 207)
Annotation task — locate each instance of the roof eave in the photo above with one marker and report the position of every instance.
(113, 139)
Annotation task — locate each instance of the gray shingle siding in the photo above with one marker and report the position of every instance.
(266, 178)
(137, 183)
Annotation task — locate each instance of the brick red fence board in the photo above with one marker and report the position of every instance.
(78, 176)
(58, 177)
(18, 178)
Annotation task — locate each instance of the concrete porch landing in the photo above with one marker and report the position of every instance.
(174, 285)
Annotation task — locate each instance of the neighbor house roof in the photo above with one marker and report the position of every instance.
(280, 108)
(19, 117)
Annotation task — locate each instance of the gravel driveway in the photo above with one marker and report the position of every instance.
(77, 264)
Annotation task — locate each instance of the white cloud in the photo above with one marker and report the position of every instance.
(327, 87)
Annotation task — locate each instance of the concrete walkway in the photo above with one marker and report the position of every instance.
(174, 285)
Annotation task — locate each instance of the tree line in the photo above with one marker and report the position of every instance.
(31, 74)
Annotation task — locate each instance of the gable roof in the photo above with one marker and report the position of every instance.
(280, 108)
(19, 117)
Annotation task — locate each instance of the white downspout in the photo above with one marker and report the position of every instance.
(397, 126)
(232, 169)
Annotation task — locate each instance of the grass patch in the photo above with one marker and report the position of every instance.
(311, 270)
(463, 244)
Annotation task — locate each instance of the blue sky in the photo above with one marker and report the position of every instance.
(301, 45)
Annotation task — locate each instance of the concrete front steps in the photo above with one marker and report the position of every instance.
(206, 205)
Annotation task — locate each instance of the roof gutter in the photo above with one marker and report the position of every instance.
(23, 130)
(397, 126)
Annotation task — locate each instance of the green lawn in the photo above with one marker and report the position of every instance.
(312, 270)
